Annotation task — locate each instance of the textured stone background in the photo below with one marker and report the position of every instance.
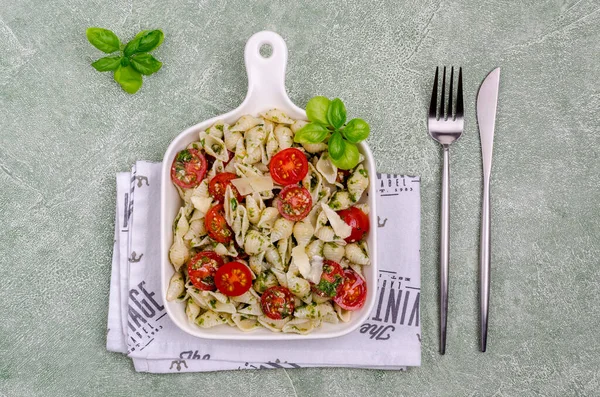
(65, 130)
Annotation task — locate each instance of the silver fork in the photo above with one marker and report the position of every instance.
(445, 128)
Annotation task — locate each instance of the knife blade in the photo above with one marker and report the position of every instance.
(487, 103)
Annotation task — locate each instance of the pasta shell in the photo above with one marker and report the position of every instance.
(255, 137)
(300, 326)
(281, 276)
(210, 319)
(245, 123)
(273, 325)
(179, 253)
(314, 311)
(340, 200)
(356, 254)
(231, 139)
(315, 147)
(284, 136)
(344, 315)
(298, 124)
(358, 183)
(313, 182)
(214, 146)
(265, 280)
(282, 229)
(327, 168)
(284, 247)
(176, 287)
(255, 242)
(277, 116)
(192, 310)
(303, 232)
(315, 249)
(268, 217)
(216, 129)
(273, 258)
(333, 252)
(298, 286)
(272, 145)
(245, 323)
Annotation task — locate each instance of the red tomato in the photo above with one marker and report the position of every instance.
(188, 169)
(294, 202)
(342, 175)
(331, 279)
(216, 225)
(202, 268)
(351, 295)
(358, 220)
(218, 185)
(288, 166)
(233, 279)
(277, 302)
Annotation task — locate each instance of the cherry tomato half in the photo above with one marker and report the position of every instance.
(294, 202)
(288, 166)
(233, 279)
(357, 220)
(216, 225)
(351, 295)
(331, 279)
(218, 185)
(188, 169)
(277, 302)
(202, 268)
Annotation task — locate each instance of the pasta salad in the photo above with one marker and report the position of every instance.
(270, 234)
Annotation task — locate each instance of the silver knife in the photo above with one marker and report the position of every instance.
(487, 102)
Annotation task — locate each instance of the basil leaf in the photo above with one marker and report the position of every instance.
(336, 113)
(145, 41)
(107, 63)
(349, 158)
(337, 146)
(103, 39)
(316, 109)
(356, 130)
(129, 79)
(145, 63)
(311, 133)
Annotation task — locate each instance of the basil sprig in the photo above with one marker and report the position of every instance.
(133, 59)
(328, 121)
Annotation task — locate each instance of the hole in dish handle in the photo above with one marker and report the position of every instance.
(266, 76)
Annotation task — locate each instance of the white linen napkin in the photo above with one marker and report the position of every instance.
(139, 326)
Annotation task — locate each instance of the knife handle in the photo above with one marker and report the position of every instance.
(484, 265)
(444, 248)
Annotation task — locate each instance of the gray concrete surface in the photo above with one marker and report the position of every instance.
(65, 130)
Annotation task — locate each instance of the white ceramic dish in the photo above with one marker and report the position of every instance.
(266, 90)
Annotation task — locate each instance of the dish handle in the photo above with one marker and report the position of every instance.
(266, 75)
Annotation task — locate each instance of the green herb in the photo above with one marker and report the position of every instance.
(184, 156)
(133, 59)
(233, 203)
(330, 288)
(328, 120)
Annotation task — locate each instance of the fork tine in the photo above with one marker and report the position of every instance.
(460, 112)
(450, 94)
(443, 95)
(433, 103)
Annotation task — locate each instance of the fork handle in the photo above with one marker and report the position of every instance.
(444, 248)
(484, 265)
